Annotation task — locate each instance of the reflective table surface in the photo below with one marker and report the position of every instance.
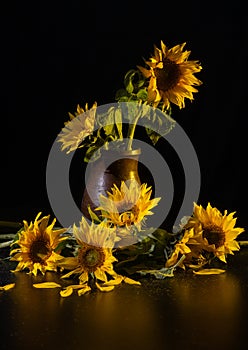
(181, 312)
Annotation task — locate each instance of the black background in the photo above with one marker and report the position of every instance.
(58, 54)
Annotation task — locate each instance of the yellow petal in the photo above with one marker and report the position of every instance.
(100, 275)
(7, 286)
(84, 290)
(209, 272)
(131, 281)
(46, 285)
(66, 292)
(104, 289)
(114, 282)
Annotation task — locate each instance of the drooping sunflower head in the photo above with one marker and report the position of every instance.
(128, 205)
(171, 76)
(218, 231)
(38, 246)
(77, 128)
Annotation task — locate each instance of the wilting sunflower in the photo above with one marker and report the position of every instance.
(128, 205)
(94, 259)
(38, 246)
(77, 128)
(189, 247)
(171, 76)
(218, 231)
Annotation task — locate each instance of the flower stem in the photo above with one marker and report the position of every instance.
(131, 131)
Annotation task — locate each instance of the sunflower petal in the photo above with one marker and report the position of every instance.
(66, 292)
(104, 289)
(46, 285)
(131, 281)
(84, 290)
(7, 286)
(114, 282)
(209, 272)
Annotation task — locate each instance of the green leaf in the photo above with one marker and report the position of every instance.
(118, 122)
(123, 99)
(121, 93)
(128, 80)
(142, 94)
(163, 272)
(93, 215)
(92, 154)
(162, 236)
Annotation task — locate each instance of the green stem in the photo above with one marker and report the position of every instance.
(130, 134)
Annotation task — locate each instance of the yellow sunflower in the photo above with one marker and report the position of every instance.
(38, 246)
(77, 128)
(94, 259)
(128, 205)
(218, 231)
(171, 76)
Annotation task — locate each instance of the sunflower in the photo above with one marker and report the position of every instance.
(171, 76)
(77, 128)
(94, 259)
(189, 246)
(217, 231)
(38, 246)
(128, 205)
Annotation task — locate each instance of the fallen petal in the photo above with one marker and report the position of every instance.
(104, 289)
(131, 281)
(46, 285)
(84, 290)
(7, 286)
(66, 292)
(209, 272)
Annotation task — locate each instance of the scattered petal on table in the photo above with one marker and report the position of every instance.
(104, 289)
(209, 272)
(131, 281)
(7, 286)
(84, 290)
(66, 292)
(46, 285)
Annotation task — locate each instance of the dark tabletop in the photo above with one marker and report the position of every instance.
(181, 312)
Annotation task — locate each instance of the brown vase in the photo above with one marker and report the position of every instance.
(111, 168)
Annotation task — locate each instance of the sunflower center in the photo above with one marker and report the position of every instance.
(214, 235)
(39, 251)
(91, 258)
(168, 76)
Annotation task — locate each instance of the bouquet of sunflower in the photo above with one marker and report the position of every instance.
(167, 78)
(117, 245)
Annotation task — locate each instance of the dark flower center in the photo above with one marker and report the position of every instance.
(214, 235)
(91, 257)
(39, 251)
(168, 76)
